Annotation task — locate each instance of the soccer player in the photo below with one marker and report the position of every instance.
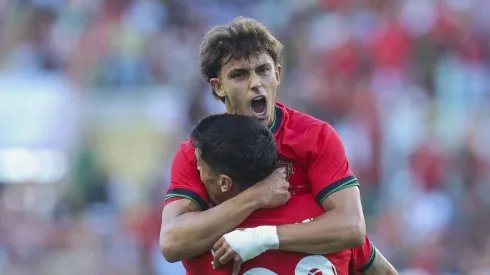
(223, 144)
(241, 62)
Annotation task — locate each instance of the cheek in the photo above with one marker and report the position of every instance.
(214, 188)
(271, 81)
(210, 182)
(271, 84)
(237, 96)
(204, 176)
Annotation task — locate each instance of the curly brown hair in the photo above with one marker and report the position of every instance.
(239, 39)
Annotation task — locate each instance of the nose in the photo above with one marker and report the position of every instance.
(255, 82)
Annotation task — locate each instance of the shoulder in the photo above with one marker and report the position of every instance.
(185, 153)
(304, 127)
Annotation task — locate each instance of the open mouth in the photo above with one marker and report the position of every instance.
(259, 105)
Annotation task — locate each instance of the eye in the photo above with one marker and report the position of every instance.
(264, 69)
(237, 75)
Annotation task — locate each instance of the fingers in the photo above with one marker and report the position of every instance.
(225, 255)
(219, 251)
(218, 254)
(218, 244)
(281, 171)
(237, 265)
(229, 256)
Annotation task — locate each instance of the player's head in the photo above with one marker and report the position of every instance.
(241, 62)
(233, 153)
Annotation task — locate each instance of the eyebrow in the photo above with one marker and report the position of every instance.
(238, 70)
(246, 69)
(267, 64)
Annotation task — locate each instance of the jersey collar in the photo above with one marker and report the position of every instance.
(277, 119)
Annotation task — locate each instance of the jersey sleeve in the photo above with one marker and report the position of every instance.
(363, 257)
(328, 168)
(185, 182)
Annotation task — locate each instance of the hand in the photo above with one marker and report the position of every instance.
(273, 190)
(223, 254)
(243, 245)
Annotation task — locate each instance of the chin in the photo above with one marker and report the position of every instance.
(265, 122)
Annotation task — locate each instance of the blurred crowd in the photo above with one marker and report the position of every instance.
(95, 96)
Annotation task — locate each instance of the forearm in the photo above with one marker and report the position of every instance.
(380, 266)
(332, 232)
(194, 233)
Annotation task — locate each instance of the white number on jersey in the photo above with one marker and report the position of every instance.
(310, 265)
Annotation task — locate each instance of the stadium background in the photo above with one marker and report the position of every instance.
(95, 96)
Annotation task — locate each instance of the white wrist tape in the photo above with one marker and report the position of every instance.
(252, 242)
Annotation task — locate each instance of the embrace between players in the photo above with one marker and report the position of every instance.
(263, 189)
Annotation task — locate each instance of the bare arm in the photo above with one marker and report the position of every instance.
(187, 232)
(380, 266)
(341, 227)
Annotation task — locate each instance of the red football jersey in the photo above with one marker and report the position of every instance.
(316, 166)
(362, 258)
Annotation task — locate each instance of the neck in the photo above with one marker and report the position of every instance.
(270, 123)
(229, 108)
(219, 199)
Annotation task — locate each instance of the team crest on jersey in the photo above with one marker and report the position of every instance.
(281, 162)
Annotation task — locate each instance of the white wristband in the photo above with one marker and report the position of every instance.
(268, 236)
(252, 242)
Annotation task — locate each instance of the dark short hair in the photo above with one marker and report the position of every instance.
(240, 147)
(239, 39)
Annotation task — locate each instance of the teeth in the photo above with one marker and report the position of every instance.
(258, 98)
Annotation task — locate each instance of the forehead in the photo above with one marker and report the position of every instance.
(244, 63)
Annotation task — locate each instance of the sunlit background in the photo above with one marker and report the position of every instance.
(95, 96)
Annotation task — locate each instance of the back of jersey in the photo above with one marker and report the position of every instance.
(301, 208)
